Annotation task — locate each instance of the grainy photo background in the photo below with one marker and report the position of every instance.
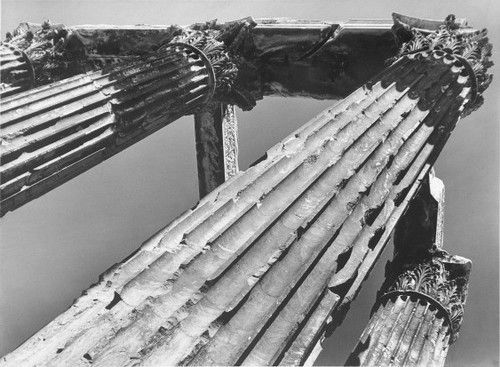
(56, 246)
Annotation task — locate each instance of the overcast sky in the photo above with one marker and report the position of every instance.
(56, 246)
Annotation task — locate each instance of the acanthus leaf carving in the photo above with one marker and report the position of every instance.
(442, 279)
(460, 44)
(221, 45)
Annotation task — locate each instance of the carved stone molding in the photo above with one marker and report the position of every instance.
(230, 138)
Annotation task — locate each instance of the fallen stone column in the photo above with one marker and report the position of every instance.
(238, 277)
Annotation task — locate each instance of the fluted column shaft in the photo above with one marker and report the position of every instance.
(53, 133)
(238, 278)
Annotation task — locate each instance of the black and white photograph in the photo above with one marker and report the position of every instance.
(249, 183)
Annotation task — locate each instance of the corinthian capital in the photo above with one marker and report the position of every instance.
(442, 281)
(458, 44)
(220, 46)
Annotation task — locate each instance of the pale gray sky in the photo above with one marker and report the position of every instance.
(56, 246)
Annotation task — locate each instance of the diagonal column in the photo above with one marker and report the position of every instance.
(360, 230)
(55, 132)
(238, 277)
